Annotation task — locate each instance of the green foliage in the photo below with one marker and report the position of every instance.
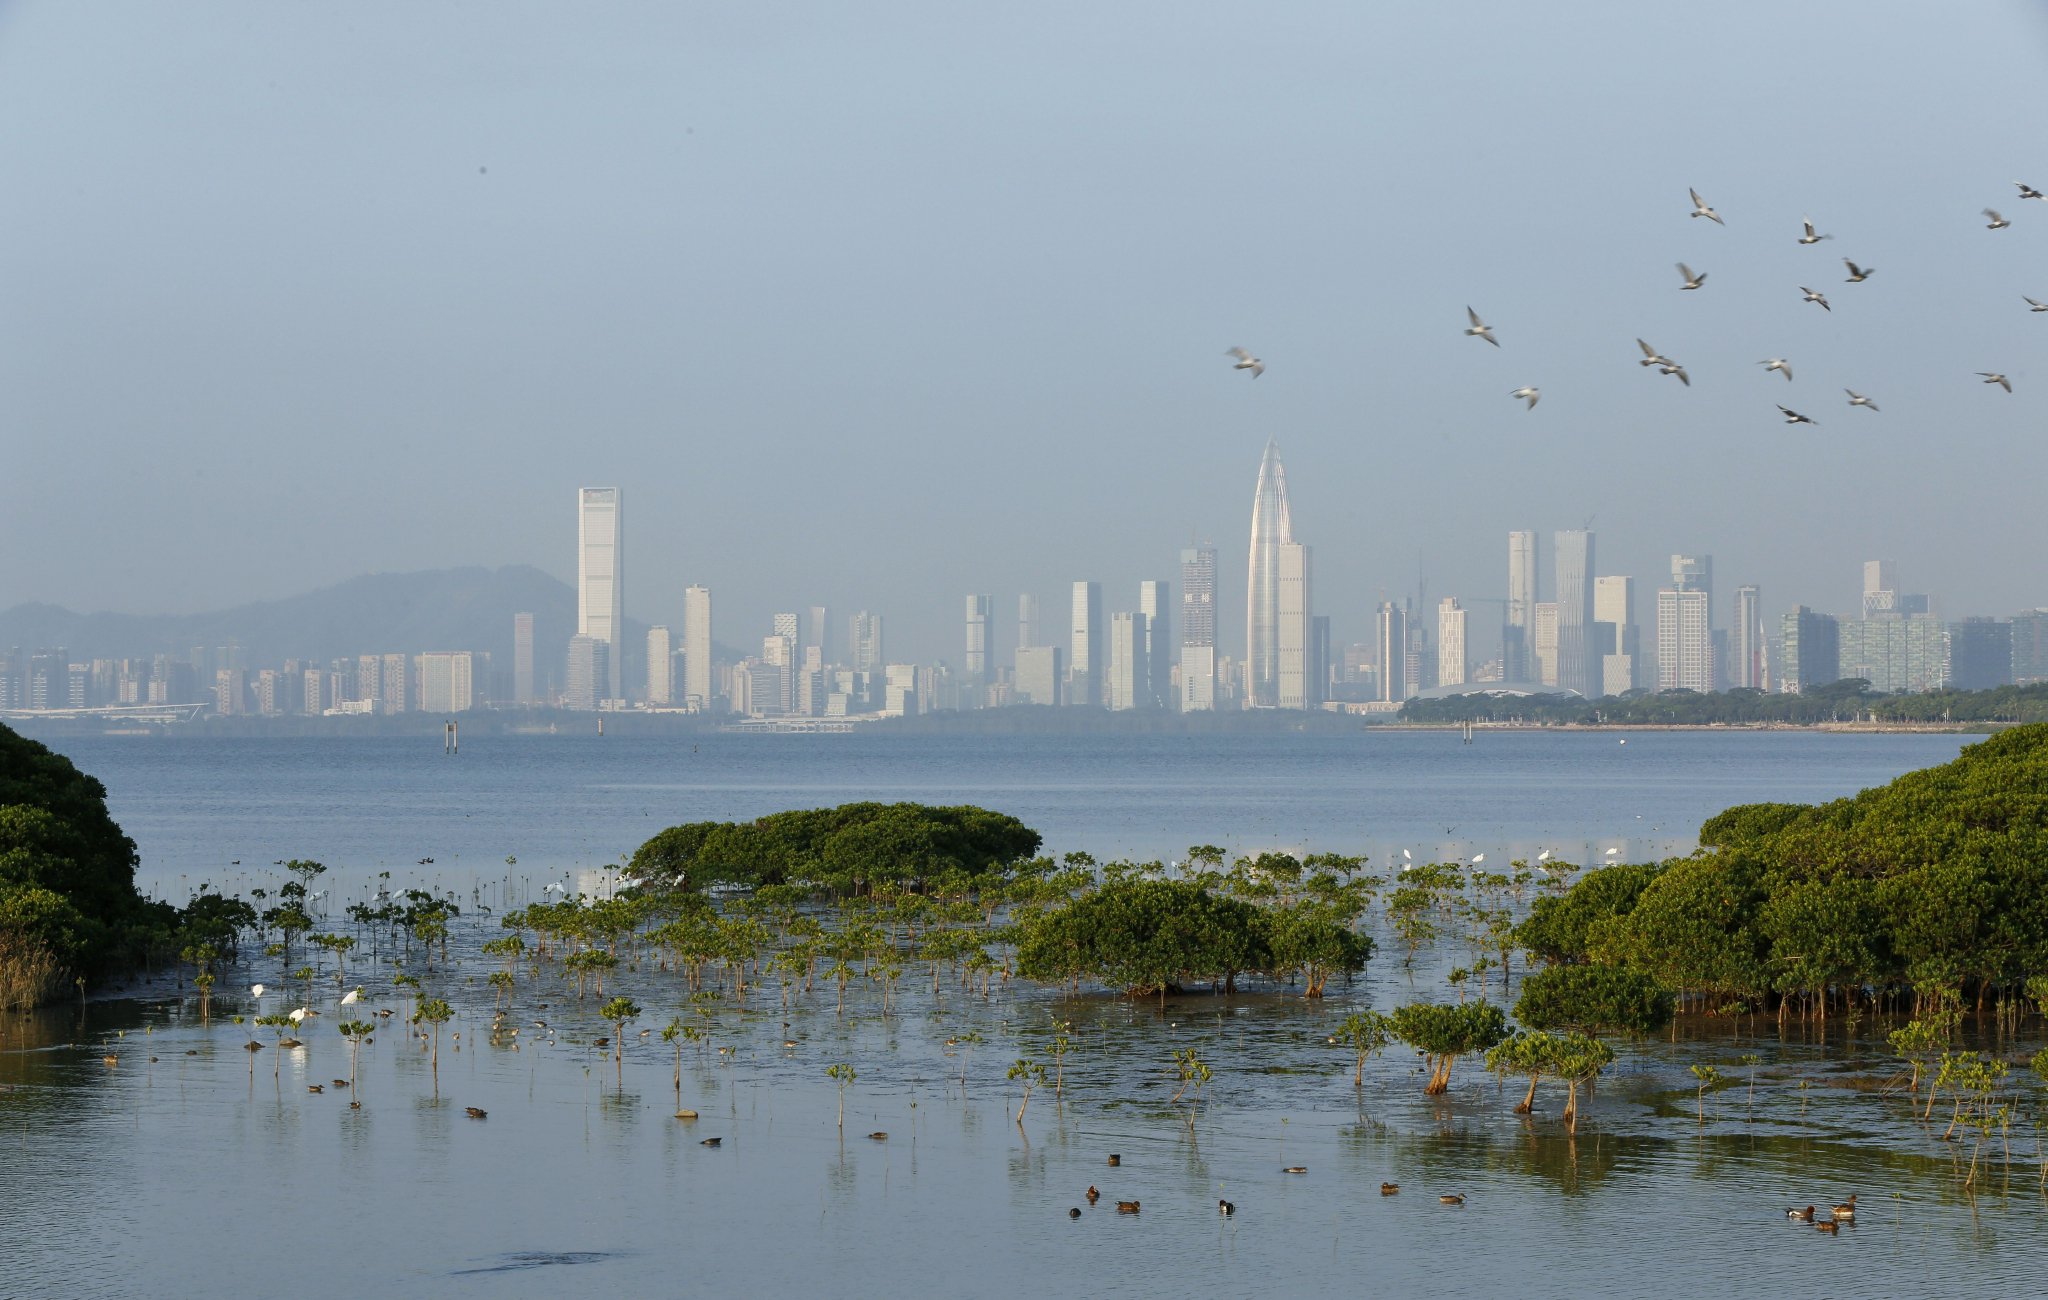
(1366, 1033)
(1840, 701)
(1444, 1032)
(1560, 929)
(1145, 936)
(1594, 998)
(847, 849)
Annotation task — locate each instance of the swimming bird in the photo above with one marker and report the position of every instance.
(710, 1142)
(1858, 399)
(1074, 1213)
(111, 1059)
(1226, 1208)
(1802, 1216)
(1847, 1209)
(1295, 1169)
(1675, 369)
(1530, 395)
(476, 1112)
(1651, 357)
(1820, 298)
(314, 1087)
(2032, 305)
(1691, 281)
(1780, 365)
(1810, 237)
(1700, 209)
(1093, 1195)
(1997, 222)
(1480, 328)
(1991, 377)
(1794, 417)
(1390, 1189)
(339, 1085)
(1126, 1207)
(1452, 1198)
(1246, 361)
(1858, 274)
(1828, 1226)
(878, 1136)
(1115, 1161)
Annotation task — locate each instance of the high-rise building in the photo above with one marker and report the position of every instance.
(661, 666)
(1085, 652)
(817, 635)
(2030, 646)
(791, 626)
(447, 682)
(601, 576)
(397, 696)
(1543, 642)
(1577, 662)
(1027, 620)
(1746, 640)
(1896, 652)
(1155, 596)
(1685, 641)
(1450, 642)
(1296, 686)
(1812, 652)
(1319, 660)
(314, 700)
(589, 670)
(980, 615)
(697, 647)
(1518, 634)
(864, 642)
(1272, 528)
(1614, 626)
(1198, 629)
(1979, 654)
(1880, 587)
(1124, 684)
(774, 692)
(1039, 674)
(522, 659)
(1392, 647)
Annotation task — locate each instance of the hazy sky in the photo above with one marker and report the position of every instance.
(879, 304)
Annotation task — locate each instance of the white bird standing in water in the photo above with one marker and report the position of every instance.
(1700, 209)
(1529, 395)
(351, 997)
(298, 1017)
(1543, 856)
(1480, 328)
(1478, 858)
(256, 990)
(1246, 361)
(1778, 364)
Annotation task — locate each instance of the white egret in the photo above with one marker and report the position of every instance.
(256, 990)
(351, 997)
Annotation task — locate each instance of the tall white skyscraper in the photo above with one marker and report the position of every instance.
(697, 647)
(817, 634)
(1577, 656)
(601, 576)
(1085, 650)
(1125, 684)
(1027, 621)
(661, 666)
(1294, 645)
(1198, 629)
(1392, 646)
(1685, 640)
(1746, 645)
(1516, 639)
(1614, 623)
(864, 637)
(1543, 642)
(1155, 598)
(522, 658)
(1880, 587)
(1450, 643)
(588, 668)
(1272, 528)
(980, 615)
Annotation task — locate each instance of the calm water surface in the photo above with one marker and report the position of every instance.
(204, 1172)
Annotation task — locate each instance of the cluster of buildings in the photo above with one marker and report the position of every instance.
(1562, 627)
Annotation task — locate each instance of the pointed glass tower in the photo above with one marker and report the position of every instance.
(1271, 529)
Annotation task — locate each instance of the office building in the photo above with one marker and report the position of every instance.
(864, 642)
(661, 666)
(447, 681)
(601, 577)
(1027, 620)
(1577, 660)
(1543, 642)
(522, 659)
(1614, 627)
(1685, 641)
(1085, 649)
(1198, 629)
(397, 688)
(1746, 663)
(1040, 672)
(1392, 651)
(1155, 602)
(589, 671)
(1295, 621)
(1810, 653)
(1880, 587)
(697, 647)
(1124, 683)
(817, 635)
(2030, 647)
(975, 667)
(1272, 529)
(1450, 642)
(1896, 652)
(1979, 654)
(1518, 632)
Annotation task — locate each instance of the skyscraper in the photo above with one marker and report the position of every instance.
(589, 670)
(1543, 642)
(1272, 528)
(697, 647)
(601, 576)
(1124, 685)
(1450, 642)
(1296, 687)
(1812, 653)
(1393, 653)
(1517, 636)
(1578, 665)
(1084, 654)
(522, 659)
(1039, 674)
(817, 635)
(1685, 641)
(1198, 629)
(447, 682)
(1155, 602)
(661, 666)
(980, 614)
(1746, 645)
(1027, 621)
(1614, 625)
(1880, 587)
(864, 642)
(1979, 654)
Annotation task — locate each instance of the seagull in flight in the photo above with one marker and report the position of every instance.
(1691, 281)
(1481, 328)
(1794, 417)
(1528, 395)
(1651, 357)
(1246, 361)
(1778, 364)
(1700, 209)
(1997, 222)
(1858, 399)
(1858, 274)
(2029, 192)
(1810, 237)
(2034, 306)
(1673, 368)
(2000, 380)
(1820, 298)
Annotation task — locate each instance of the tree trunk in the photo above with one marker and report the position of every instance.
(1571, 1106)
(1529, 1101)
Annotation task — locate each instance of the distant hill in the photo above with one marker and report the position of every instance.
(380, 613)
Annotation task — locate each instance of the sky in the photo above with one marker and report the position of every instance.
(878, 305)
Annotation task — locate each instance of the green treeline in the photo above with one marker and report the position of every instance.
(846, 850)
(1849, 700)
(1933, 890)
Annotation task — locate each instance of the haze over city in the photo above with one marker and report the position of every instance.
(876, 310)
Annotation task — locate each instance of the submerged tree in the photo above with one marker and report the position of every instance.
(355, 1031)
(434, 1012)
(1031, 1074)
(1366, 1033)
(842, 1074)
(1445, 1033)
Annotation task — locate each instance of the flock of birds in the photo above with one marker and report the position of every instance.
(1228, 1208)
(1690, 279)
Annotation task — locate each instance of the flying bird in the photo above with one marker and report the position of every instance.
(1858, 274)
(1997, 222)
(1673, 368)
(1651, 357)
(1858, 399)
(1810, 237)
(1778, 364)
(1794, 417)
(2029, 192)
(1700, 209)
(1820, 298)
(1246, 361)
(1691, 281)
(1528, 395)
(2000, 380)
(1481, 328)
(2034, 306)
